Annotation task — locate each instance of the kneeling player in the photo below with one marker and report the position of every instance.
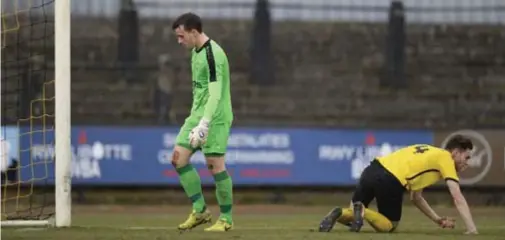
(408, 169)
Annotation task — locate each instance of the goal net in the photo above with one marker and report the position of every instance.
(35, 113)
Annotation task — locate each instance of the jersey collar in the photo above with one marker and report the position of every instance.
(207, 43)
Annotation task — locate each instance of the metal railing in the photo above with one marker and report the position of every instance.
(419, 11)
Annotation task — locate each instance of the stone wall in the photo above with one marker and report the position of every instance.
(327, 74)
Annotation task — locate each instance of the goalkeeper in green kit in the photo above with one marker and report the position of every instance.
(208, 126)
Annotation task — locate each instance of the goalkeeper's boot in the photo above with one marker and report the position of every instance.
(222, 225)
(358, 211)
(196, 219)
(330, 219)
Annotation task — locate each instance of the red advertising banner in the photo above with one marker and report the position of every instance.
(487, 165)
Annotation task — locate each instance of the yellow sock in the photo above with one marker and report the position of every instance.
(377, 221)
(346, 217)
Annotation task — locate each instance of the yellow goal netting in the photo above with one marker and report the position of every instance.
(27, 109)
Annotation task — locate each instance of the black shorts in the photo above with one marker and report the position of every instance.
(377, 182)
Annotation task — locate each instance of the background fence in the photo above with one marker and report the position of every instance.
(424, 11)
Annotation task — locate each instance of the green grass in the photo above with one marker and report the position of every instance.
(266, 222)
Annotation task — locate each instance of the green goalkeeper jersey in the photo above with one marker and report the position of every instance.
(211, 84)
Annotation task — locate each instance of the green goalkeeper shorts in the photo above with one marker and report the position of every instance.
(217, 138)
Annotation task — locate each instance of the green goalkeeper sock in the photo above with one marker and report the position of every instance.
(190, 181)
(224, 194)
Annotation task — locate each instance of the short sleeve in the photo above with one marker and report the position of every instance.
(447, 167)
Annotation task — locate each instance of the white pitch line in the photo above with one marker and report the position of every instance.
(238, 228)
(160, 228)
(133, 228)
(30, 229)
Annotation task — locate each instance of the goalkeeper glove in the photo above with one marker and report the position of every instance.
(198, 135)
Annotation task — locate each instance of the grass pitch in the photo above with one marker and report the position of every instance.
(264, 222)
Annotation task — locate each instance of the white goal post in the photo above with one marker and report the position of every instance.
(63, 157)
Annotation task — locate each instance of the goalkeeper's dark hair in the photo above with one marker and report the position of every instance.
(190, 21)
(459, 142)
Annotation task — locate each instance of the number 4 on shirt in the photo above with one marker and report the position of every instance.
(421, 149)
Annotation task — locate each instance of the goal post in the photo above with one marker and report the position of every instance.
(62, 108)
(57, 210)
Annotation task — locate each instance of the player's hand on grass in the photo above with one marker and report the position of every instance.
(446, 222)
(198, 135)
(472, 232)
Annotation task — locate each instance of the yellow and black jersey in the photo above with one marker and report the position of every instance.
(419, 166)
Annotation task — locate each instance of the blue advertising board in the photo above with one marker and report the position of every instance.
(9, 150)
(256, 156)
